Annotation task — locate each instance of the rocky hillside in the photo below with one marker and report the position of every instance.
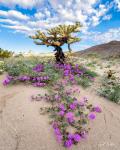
(111, 49)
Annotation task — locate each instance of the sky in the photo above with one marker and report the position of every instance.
(19, 19)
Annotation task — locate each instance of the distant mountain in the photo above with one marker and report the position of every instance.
(111, 49)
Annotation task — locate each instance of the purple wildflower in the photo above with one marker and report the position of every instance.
(80, 72)
(9, 77)
(61, 113)
(91, 116)
(76, 102)
(6, 82)
(55, 125)
(68, 66)
(38, 68)
(70, 117)
(97, 109)
(57, 97)
(34, 79)
(24, 78)
(66, 73)
(68, 143)
(62, 107)
(77, 137)
(72, 106)
(45, 78)
(38, 78)
(76, 65)
(41, 78)
(82, 103)
(70, 136)
(68, 92)
(71, 77)
(38, 84)
(59, 138)
(57, 131)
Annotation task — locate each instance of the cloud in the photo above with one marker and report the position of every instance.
(99, 37)
(19, 28)
(83, 11)
(88, 12)
(107, 17)
(39, 15)
(100, 14)
(21, 3)
(8, 21)
(117, 2)
(13, 14)
(111, 34)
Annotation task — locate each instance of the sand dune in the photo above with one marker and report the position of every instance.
(23, 128)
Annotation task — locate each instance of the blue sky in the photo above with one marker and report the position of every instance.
(21, 18)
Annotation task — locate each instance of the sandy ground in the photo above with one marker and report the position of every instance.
(23, 128)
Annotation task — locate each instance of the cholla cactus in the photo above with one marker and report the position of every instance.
(56, 37)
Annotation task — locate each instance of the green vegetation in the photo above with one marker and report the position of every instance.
(18, 66)
(83, 81)
(91, 73)
(93, 55)
(91, 64)
(5, 53)
(2, 67)
(111, 89)
(22, 67)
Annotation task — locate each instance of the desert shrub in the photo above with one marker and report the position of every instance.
(83, 81)
(111, 89)
(18, 66)
(53, 73)
(13, 70)
(91, 64)
(2, 67)
(5, 53)
(90, 73)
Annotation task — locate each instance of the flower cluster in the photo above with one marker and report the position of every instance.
(39, 68)
(23, 78)
(7, 80)
(57, 132)
(72, 138)
(71, 72)
(70, 116)
(39, 84)
(40, 78)
(38, 81)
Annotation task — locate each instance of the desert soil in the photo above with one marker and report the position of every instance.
(23, 128)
